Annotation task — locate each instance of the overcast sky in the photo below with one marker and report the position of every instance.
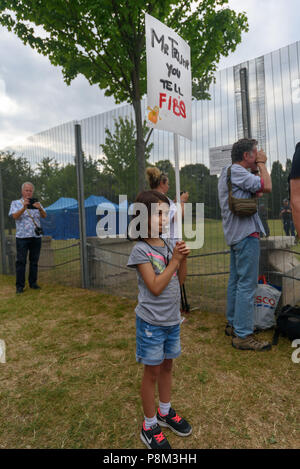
(34, 97)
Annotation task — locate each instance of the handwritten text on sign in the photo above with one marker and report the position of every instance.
(169, 85)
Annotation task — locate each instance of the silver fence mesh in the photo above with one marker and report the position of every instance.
(273, 83)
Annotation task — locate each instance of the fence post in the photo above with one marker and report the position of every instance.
(82, 226)
(2, 232)
(246, 117)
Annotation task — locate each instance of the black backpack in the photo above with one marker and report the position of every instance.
(287, 323)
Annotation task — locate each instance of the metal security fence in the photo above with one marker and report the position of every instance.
(259, 98)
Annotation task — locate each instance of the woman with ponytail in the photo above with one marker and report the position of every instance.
(159, 181)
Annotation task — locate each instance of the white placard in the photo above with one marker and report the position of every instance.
(219, 157)
(169, 79)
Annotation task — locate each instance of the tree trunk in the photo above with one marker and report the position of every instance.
(140, 145)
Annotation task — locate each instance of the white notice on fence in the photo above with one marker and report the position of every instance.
(169, 79)
(218, 158)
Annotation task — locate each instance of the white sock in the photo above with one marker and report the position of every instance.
(149, 422)
(164, 407)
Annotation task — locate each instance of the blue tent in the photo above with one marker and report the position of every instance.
(62, 220)
(61, 203)
(54, 225)
(91, 218)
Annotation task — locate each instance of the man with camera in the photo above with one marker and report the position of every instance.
(27, 213)
(238, 187)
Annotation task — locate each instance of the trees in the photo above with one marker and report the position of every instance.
(280, 187)
(119, 161)
(54, 181)
(202, 187)
(46, 174)
(15, 171)
(105, 41)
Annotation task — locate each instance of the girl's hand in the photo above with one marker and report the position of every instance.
(184, 197)
(183, 248)
(177, 254)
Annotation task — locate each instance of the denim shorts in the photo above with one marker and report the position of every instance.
(154, 344)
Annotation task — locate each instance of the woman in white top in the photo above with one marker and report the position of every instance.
(160, 182)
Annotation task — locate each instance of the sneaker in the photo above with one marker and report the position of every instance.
(229, 330)
(35, 286)
(19, 290)
(179, 426)
(250, 343)
(154, 438)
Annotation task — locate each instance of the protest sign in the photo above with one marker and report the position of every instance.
(169, 82)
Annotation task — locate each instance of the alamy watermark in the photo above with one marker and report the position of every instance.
(2, 351)
(132, 221)
(296, 353)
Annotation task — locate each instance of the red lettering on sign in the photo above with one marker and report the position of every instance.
(162, 99)
(177, 107)
(182, 109)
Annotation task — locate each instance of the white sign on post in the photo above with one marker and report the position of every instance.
(169, 79)
(219, 157)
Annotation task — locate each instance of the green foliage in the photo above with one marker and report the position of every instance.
(47, 174)
(104, 40)
(202, 187)
(280, 188)
(115, 173)
(119, 159)
(51, 180)
(15, 171)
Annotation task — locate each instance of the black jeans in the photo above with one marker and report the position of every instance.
(33, 245)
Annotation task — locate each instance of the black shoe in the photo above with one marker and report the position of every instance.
(154, 438)
(179, 426)
(19, 290)
(35, 286)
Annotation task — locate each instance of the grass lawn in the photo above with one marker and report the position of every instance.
(71, 380)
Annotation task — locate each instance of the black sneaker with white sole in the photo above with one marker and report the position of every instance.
(179, 426)
(154, 438)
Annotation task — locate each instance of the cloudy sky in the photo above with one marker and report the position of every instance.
(34, 97)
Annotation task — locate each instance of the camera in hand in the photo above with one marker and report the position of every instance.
(31, 202)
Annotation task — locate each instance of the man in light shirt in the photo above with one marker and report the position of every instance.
(28, 236)
(242, 235)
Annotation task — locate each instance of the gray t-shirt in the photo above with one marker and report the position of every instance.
(162, 310)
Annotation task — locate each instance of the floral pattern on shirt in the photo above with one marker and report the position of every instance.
(24, 224)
